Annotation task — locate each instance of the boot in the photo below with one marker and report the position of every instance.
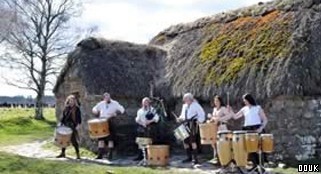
(110, 154)
(189, 156)
(139, 157)
(62, 154)
(195, 160)
(77, 153)
(100, 153)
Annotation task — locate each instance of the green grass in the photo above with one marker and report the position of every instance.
(70, 151)
(12, 164)
(18, 125)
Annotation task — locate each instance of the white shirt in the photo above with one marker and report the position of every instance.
(251, 115)
(141, 116)
(194, 109)
(107, 110)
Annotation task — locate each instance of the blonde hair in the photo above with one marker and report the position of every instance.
(145, 99)
(71, 97)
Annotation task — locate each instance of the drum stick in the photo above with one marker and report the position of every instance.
(174, 114)
(228, 98)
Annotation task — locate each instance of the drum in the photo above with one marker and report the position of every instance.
(267, 143)
(208, 133)
(224, 146)
(239, 151)
(143, 141)
(98, 128)
(251, 142)
(181, 132)
(158, 155)
(62, 136)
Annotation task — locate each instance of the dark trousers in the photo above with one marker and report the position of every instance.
(192, 125)
(254, 157)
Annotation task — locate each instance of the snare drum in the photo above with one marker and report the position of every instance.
(98, 128)
(158, 155)
(224, 146)
(143, 141)
(267, 143)
(239, 151)
(208, 133)
(181, 132)
(62, 136)
(252, 142)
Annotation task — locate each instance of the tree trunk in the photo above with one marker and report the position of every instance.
(39, 106)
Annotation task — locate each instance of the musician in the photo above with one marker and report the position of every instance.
(254, 120)
(72, 119)
(219, 116)
(146, 118)
(107, 109)
(191, 114)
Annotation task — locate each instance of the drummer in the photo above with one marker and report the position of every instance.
(107, 109)
(254, 120)
(72, 119)
(220, 116)
(192, 113)
(147, 120)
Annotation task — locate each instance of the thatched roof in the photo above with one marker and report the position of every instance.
(269, 49)
(122, 68)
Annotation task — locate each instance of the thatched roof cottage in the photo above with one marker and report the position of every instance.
(271, 50)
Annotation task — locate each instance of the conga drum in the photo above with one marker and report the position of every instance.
(62, 136)
(143, 141)
(158, 155)
(251, 142)
(239, 151)
(224, 146)
(181, 132)
(267, 143)
(98, 128)
(208, 133)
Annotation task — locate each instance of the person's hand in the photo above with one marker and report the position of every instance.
(118, 112)
(259, 130)
(215, 119)
(209, 115)
(179, 120)
(148, 122)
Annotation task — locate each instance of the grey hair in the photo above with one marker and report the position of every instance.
(146, 99)
(188, 96)
(106, 94)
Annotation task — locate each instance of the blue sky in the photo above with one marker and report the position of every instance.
(138, 21)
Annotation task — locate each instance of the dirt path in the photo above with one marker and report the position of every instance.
(36, 150)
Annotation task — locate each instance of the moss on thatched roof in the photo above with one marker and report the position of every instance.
(122, 68)
(269, 49)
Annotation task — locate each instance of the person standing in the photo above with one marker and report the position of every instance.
(107, 109)
(72, 119)
(254, 120)
(219, 116)
(192, 113)
(147, 120)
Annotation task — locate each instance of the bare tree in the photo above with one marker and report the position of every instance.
(37, 43)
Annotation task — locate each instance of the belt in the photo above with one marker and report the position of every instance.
(223, 123)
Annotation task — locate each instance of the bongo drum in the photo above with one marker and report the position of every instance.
(251, 142)
(224, 146)
(62, 136)
(98, 128)
(181, 132)
(267, 143)
(158, 155)
(208, 133)
(239, 151)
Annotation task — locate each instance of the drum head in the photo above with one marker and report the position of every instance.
(224, 132)
(96, 120)
(266, 135)
(239, 132)
(64, 130)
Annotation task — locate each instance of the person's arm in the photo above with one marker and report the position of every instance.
(120, 108)
(156, 116)
(200, 114)
(236, 116)
(78, 115)
(226, 115)
(138, 119)
(96, 109)
(263, 118)
(182, 115)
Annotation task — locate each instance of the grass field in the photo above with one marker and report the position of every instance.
(18, 125)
